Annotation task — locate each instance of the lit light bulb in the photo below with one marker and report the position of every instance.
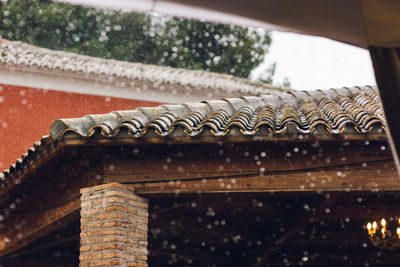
(374, 226)
(398, 232)
(369, 227)
(383, 223)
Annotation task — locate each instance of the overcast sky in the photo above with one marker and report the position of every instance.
(318, 63)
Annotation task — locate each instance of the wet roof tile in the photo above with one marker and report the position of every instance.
(337, 111)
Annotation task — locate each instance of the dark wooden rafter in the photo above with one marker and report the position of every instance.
(48, 204)
(170, 208)
(73, 238)
(33, 263)
(36, 225)
(52, 152)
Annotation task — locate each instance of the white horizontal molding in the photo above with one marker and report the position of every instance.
(105, 86)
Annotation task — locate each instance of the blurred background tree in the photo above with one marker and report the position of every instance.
(149, 39)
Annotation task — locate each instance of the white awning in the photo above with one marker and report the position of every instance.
(357, 22)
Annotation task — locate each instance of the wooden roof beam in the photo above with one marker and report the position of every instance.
(36, 225)
(355, 177)
(47, 204)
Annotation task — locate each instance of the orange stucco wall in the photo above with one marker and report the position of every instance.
(27, 113)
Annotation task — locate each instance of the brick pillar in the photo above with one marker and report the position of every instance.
(114, 224)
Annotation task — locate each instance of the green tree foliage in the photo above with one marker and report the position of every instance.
(134, 37)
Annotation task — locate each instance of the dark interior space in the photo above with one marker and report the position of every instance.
(264, 229)
(280, 229)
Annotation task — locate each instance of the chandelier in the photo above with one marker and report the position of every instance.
(382, 236)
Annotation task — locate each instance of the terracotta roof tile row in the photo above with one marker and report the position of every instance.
(22, 54)
(331, 112)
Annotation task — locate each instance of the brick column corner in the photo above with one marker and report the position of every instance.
(114, 225)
